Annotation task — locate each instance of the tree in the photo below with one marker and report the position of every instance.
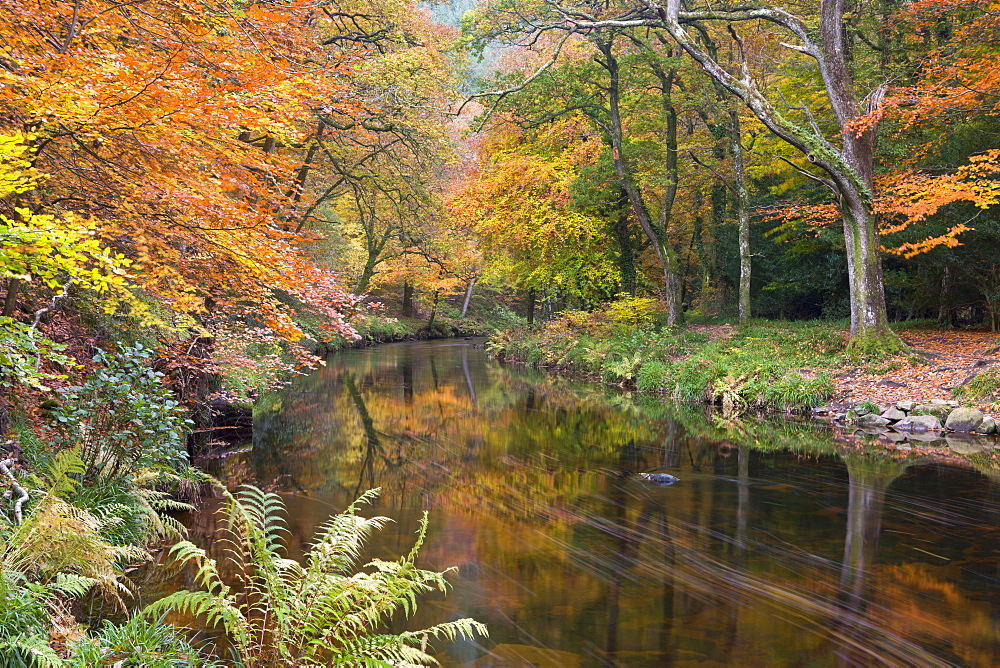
(517, 203)
(172, 126)
(601, 79)
(847, 161)
(379, 163)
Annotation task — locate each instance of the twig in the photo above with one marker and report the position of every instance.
(810, 175)
(22, 495)
(52, 304)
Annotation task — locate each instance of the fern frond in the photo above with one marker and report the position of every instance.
(72, 585)
(62, 472)
(207, 574)
(216, 610)
(340, 543)
(467, 628)
(29, 650)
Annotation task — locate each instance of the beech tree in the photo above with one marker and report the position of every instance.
(174, 128)
(845, 159)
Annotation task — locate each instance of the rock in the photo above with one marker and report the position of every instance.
(894, 437)
(919, 423)
(905, 405)
(904, 446)
(939, 411)
(964, 447)
(866, 407)
(871, 420)
(938, 402)
(887, 382)
(964, 419)
(989, 426)
(659, 478)
(926, 437)
(822, 410)
(893, 414)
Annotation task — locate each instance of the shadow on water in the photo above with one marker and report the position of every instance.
(782, 543)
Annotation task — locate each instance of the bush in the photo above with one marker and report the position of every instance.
(635, 311)
(123, 418)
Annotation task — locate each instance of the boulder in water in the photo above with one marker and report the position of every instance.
(659, 478)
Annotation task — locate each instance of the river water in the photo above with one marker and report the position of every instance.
(783, 543)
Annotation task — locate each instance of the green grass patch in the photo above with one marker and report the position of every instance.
(782, 366)
(985, 386)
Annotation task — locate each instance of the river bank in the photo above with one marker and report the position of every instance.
(789, 367)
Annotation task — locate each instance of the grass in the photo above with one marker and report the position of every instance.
(985, 386)
(759, 365)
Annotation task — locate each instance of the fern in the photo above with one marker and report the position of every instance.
(327, 612)
(29, 651)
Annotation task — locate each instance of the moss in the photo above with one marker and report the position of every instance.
(875, 346)
(985, 385)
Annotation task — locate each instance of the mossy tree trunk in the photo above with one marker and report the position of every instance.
(848, 168)
(742, 216)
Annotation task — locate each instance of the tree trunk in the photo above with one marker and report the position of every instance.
(407, 299)
(622, 230)
(943, 316)
(531, 306)
(869, 322)
(742, 200)
(468, 296)
(656, 234)
(365, 278)
(434, 308)
(10, 302)
(299, 180)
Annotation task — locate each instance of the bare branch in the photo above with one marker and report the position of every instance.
(809, 175)
(501, 94)
(722, 179)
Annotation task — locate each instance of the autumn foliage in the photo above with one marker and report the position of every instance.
(174, 128)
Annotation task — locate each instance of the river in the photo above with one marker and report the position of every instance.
(783, 543)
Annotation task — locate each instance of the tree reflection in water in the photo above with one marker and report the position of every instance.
(782, 543)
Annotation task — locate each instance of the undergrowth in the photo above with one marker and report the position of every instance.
(757, 365)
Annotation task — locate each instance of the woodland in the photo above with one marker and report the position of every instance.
(199, 199)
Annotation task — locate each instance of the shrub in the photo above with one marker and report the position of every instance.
(122, 417)
(635, 311)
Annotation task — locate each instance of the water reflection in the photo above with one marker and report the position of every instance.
(782, 543)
